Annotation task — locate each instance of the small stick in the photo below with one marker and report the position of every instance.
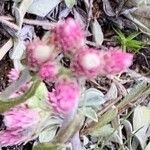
(5, 48)
(9, 24)
(30, 21)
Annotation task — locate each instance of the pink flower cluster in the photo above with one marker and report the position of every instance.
(67, 40)
(88, 62)
(65, 95)
(19, 123)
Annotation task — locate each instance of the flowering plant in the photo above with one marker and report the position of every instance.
(45, 114)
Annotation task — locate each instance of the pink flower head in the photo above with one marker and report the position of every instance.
(20, 117)
(13, 75)
(116, 61)
(38, 53)
(65, 95)
(48, 71)
(69, 35)
(19, 122)
(87, 62)
(11, 137)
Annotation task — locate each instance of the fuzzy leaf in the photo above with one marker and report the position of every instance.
(132, 3)
(9, 103)
(104, 131)
(21, 11)
(103, 120)
(42, 7)
(141, 122)
(18, 49)
(70, 3)
(41, 92)
(38, 99)
(148, 146)
(112, 92)
(90, 113)
(93, 98)
(107, 8)
(97, 33)
(134, 94)
(48, 134)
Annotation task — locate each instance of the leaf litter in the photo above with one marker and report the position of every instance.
(99, 17)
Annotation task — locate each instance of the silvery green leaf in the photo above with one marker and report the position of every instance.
(90, 113)
(131, 3)
(93, 98)
(53, 120)
(128, 128)
(64, 13)
(116, 138)
(6, 104)
(104, 131)
(70, 3)
(108, 8)
(112, 92)
(48, 134)
(97, 33)
(141, 122)
(26, 33)
(85, 140)
(38, 99)
(41, 92)
(18, 49)
(148, 146)
(108, 132)
(42, 7)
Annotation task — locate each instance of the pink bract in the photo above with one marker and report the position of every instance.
(13, 75)
(11, 137)
(48, 71)
(19, 122)
(88, 62)
(68, 35)
(63, 98)
(38, 53)
(20, 117)
(117, 61)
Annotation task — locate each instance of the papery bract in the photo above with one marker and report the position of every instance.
(68, 35)
(63, 98)
(48, 71)
(88, 62)
(12, 137)
(19, 122)
(116, 61)
(38, 53)
(20, 117)
(13, 75)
